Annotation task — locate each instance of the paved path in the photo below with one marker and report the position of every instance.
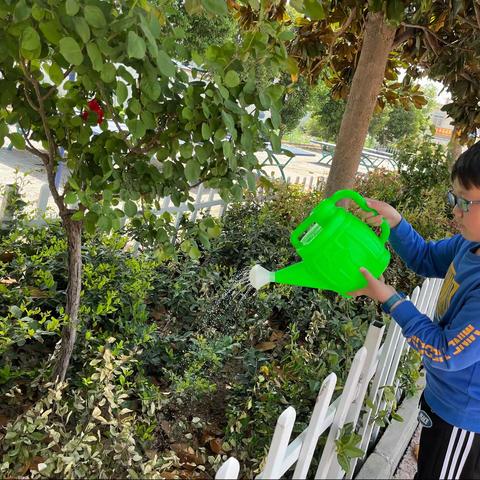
(23, 166)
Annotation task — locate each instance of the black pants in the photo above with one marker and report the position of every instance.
(446, 452)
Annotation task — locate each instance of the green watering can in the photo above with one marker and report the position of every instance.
(333, 244)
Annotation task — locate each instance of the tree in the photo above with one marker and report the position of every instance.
(396, 123)
(360, 46)
(295, 100)
(202, 29)
(168, 131)
(327, 112)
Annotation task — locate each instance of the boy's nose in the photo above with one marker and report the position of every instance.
(457, 212)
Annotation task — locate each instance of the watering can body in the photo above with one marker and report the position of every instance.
(333, 244)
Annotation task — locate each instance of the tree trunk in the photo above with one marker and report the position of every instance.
(366, 84)
(69, 332)
(454, 146)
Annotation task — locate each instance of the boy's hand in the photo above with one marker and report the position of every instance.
(375, 289)
(384, 210)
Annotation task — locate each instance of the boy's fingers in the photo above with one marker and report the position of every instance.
(366, 274)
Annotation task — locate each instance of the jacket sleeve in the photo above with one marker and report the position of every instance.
(442, 347)
(429, 259)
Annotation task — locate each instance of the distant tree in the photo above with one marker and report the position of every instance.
(295, 101)
(396, 123)
(200, 28)
(327, 113)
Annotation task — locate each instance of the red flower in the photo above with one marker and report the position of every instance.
(94, 106)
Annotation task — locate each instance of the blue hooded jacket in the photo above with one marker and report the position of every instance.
(450, 344)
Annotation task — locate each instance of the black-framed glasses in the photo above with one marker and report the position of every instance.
(460, 202)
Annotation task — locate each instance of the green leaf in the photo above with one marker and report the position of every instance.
(395, 10)
(251, 181)
(286, 35)
(165, 64)
(314, 9)
(72, 7)
(95, 56)
(104, 223)
(232, 79)
(206, 131)
(82, 28)
(71, 198)
(135, 46)
(167, 169)
(37, 12)
(193, 7)
(130, 208)
(276, 144)
(134, 106)
(21, 12)
(108, 73)
(77, 216)
(121, 92)
(55, 73)
(192, 170)
(215, 7)
(353, 452)
(51, 30)
(30, 39)
(17, 140)
(70, 50)
(95, 17)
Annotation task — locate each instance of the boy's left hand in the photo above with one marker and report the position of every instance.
(375, 289)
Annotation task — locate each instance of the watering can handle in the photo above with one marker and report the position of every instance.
(298, 232)
(362, 203)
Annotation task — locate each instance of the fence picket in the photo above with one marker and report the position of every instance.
(328, 459)
(278, 447)
(313, 430)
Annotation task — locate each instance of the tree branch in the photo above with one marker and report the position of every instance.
(29, 99)
(48, 158)
(54, 87)
(402, 37)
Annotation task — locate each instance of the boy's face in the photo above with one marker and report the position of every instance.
(468, 222)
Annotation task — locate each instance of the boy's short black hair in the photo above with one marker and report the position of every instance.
(467, 167)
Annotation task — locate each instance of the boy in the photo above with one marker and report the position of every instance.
(450, 344)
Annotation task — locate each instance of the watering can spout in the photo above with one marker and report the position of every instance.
(260, 276)
(298, 274)
(295, 274)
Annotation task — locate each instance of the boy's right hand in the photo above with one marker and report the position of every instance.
(384, 210)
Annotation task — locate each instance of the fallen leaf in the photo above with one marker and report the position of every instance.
(205, 437)
(216, 445)
(158, 313)
(187, 454)
(3, 420)
(7, 257)
(170, 475)
(276, 336)
(265, 346)
(416, 449)
(8, 281)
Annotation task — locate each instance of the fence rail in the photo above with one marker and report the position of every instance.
(375, 366)
(206, 200)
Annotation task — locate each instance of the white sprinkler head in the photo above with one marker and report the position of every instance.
(260, 276)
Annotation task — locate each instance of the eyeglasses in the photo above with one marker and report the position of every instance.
(460, 202)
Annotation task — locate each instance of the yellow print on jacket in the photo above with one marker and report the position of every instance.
(449, 287)
(463, 340)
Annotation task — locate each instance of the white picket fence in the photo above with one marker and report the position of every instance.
(206, 200)
(374, 366)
